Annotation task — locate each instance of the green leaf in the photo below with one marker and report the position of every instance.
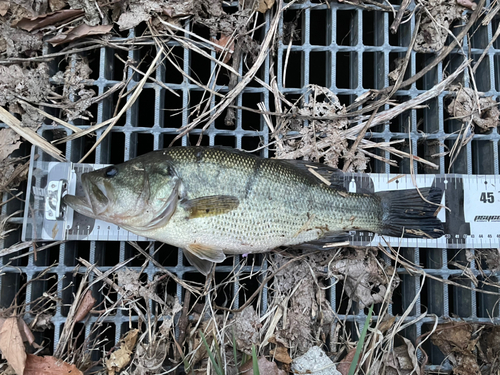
(361, 342)
(255, 361)
(217, 368)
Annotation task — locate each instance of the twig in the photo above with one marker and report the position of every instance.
(399, 16)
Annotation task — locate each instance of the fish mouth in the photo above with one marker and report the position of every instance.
(95, 201)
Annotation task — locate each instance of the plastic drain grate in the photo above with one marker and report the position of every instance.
(342, 47)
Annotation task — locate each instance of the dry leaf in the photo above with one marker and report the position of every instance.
(4, 7)
(264, 5)
(345, 364)
(49, 365)
(9, 142)
(121, 358)
(86, 305)
(465, 106)
(386, 324)
(78, 32)
(56, 5)
(281, 354)
(456, 340)
(227, 44)
(33, 23)
(265, 367)
(26, 333)
(12, 346)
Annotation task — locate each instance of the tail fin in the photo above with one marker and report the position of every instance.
(406, 214)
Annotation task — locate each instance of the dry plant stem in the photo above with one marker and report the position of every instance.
(414, 269)
(67, 331)
(103, 276)
(53, 118)
(401, 11)
(129, 104)
(261, 286)
(151, 78)
(25, 245)
(400, 108)
(229, 98)
(491, 14)
(159, 42)
(233, 79)
(383, 101)
(168, 273)
(473, 18)
(486, 50)
(183, 323)
(30, 135)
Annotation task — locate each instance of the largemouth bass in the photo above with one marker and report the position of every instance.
(214, 201)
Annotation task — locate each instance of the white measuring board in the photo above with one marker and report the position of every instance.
(472, 219)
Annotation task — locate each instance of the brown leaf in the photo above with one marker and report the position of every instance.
(26, 333)
(264, 5)
(85, 306)
(4, 7)
(281, 354)
(386, 324)
(33, 23)
(457, 341)
(9, 142)
(56, 5)
(121, 358)
(12, 346)
(227, 44)
(78, 32)
(265, 367)
(49, 365)
(345, 364)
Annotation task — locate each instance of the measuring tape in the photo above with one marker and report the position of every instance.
(471, 220)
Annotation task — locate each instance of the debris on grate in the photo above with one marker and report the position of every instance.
(321, 139)
(437, 17)
(471, 348)
(19, 85)
(467, 105)
(247, 329)
(307, 310)
(365, 281)
(314, 362)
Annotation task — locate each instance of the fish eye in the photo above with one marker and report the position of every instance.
(111, 171)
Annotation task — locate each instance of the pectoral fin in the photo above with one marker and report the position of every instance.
(210, 206)
(202, 256)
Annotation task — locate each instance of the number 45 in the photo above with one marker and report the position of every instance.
(487, 197)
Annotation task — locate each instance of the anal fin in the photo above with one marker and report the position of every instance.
(329, 241)
(203, 256)
(202, 265)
